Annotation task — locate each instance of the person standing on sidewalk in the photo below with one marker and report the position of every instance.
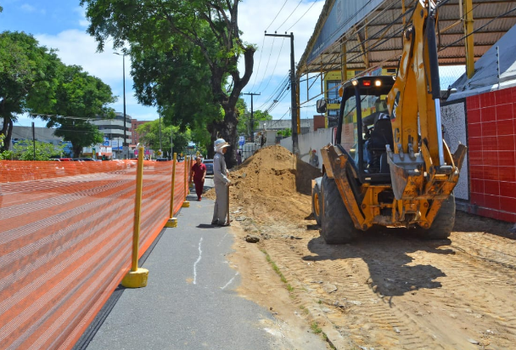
(221, 181)
(197, 175)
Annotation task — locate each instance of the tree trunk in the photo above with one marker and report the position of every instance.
(228, 131)
(76, 151)
(7, 130)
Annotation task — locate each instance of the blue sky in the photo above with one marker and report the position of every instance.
(61, 24)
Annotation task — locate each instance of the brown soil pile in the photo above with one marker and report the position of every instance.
(273, 183)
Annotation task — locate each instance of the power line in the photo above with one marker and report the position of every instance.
(275, 65)
(266, 66)
(277, 14)
(313, 3)
(259, 62)
(286, 19)
(283, 85)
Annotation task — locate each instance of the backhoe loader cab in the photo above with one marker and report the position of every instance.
(388, 164)
(364, 127)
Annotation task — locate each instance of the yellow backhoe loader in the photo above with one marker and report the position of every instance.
(388, 164)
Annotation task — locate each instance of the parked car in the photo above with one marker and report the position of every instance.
(209, 166)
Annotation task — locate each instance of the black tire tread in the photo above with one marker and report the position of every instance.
(443, 223)
(336, 225)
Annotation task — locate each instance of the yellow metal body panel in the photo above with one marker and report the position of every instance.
(413, 208)
(423, 172)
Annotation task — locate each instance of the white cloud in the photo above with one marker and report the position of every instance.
(79, 48)
(273, 54)
(28, 8)
(83, 21)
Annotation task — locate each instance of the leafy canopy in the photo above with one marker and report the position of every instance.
(200, 36)
(24, 150)
(80, 98)
(150, 137)
(27, 78)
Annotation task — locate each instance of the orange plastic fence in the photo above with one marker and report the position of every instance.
(65, 242)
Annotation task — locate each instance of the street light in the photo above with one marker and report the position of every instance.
(125, 126)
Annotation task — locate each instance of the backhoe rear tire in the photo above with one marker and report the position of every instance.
(336, 225)
(443, 223)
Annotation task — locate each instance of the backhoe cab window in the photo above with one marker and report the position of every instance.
(372, 106)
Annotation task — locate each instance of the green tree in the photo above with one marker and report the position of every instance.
(150, 137)
(285, 132)
(27, 78)
(80, 97)
(174, 79)
(244, 123)
(81, 133)
(209, 25)
(24, 150)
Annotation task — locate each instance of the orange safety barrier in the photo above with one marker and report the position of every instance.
(66, 233)
(179, 189)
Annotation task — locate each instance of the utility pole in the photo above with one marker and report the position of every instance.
(125, 146)
(293, 91)
(252, 115)
(34, 139)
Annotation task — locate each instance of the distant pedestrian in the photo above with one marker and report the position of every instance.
(239, 157)
(221, 181)
(314, 159)
(198, 175)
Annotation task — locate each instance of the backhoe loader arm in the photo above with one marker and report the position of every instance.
(420, 160)
(415, 95)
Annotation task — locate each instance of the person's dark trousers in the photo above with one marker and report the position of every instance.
(199, 185)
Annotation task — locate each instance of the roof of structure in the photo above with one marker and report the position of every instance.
(495, 70)
(370, 31)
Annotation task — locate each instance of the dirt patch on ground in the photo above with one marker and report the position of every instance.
(386, 290)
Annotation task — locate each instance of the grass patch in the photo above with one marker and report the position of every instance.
(305, 310)
(315, 328)
(325, 337)
(278, 271)
(275, 267)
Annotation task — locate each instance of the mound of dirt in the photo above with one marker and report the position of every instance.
(272, 183)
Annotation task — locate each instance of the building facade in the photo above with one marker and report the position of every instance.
(113, 130)
(135, 137)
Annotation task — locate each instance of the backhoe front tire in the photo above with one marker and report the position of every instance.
(336, 225)
(443, 223)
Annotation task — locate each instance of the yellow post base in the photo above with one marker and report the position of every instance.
(136, 279)
(172, 222)
(186, 204)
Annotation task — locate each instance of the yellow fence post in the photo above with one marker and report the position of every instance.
(137, 277)
(186, 204)
(172, 222)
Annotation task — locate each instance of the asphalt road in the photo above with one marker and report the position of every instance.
(189, 302)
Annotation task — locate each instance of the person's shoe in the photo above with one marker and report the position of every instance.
(225, 224)
(215, 222)
(199, 199)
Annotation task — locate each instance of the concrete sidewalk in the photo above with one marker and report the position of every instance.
(189, 302)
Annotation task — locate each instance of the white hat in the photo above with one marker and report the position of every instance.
(220, 144)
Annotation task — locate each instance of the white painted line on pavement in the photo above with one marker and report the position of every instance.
(195, 265)
(218, 245)
(230, 281)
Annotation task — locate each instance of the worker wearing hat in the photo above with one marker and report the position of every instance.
(221, 181)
